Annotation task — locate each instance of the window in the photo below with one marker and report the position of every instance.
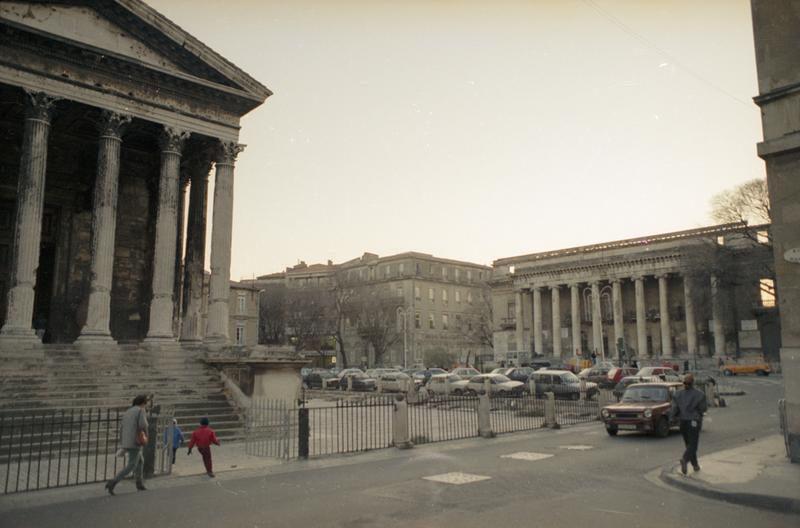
(469, 275)
(399, 291)
(402, 268)
(444, 272)
(458, 296)
(361, 274)
(458, 273)
(417, 295)
(469, 297)
(444, 296)
(417, 320)
(720, 240)
(480, 275)
(418, 268)
(767, 292)
(431, 322)
(386, 271)
(242, 304)
(240, 335)
(587, 305)
(431, 295)
(445, 321)
(512, 311)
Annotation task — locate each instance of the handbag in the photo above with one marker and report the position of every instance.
(141, 437)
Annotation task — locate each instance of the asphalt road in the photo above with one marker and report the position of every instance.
(601, 482)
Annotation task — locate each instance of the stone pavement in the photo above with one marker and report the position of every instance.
(756, 474)
(230, 456)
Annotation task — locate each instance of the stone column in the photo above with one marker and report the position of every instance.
(616, 306)
(716, 314)
(179, 260)
(162, 304)
(191, 325)
(663, 308)
(538, 344)
(221, 231)
(597, 321)
(555, 294)
(691, 325)
(575, 308)
(104, 226)
(641, 318)
(28, 223)
(519, 323)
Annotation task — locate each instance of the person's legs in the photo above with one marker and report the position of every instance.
(133, 457)
(174, 451)
(685, 433)
(694, 440)
(206, 453)
(138, 472)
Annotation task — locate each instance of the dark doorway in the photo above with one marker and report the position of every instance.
(44, 292)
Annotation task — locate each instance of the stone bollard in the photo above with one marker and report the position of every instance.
(484, 422)
(583, 390)
(411, 394)
(400, 431)
(711, 397)
(349, 383)
(550, 411)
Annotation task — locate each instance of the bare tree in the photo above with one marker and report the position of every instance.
(341, 295)
(376, 322)
(272, 315)
(307, 318)
(748, 202)
(477, 324)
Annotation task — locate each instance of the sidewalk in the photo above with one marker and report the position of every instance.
(757, 474)
(228, 457)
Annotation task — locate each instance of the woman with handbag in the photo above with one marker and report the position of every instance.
(132, 439)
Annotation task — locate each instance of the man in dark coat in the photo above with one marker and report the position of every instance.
(689, 405)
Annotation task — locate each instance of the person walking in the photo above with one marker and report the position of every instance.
(594, 357)
(203, 437)
(132, 439)
(689, 405)
(177, 438)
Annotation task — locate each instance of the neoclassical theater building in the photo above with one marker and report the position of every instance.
(113, 119)
(699, 293)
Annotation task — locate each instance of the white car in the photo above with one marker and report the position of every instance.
(447, 384)
(465, 373)
(394, 381)
(499, 385)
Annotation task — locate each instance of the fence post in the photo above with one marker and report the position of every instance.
(550, 411)
(583, 390)
(400, 430)
(380, 385)
(484, 408)
(532, 386)
(303, 432)
(349, 383)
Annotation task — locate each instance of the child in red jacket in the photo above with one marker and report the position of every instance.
(203, 437)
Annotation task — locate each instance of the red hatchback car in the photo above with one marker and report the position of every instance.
(616, 374)
(645, 407)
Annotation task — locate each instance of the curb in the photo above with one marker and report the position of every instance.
(763, 502)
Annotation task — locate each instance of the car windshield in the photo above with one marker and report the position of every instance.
(498, 371)
(638, 394)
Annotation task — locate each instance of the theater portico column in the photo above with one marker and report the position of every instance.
(538, 343)
(28, 223)
(575, 315)
(716, 313)
(104, 227)
(555, 293)
(616, 308)
(518, 322)
(221, 232)
(641, 318)
(597, 321)
(663, 309)
(691, 325)
(162, 303)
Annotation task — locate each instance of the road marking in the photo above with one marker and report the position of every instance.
(577, 447)
(614, 511)
(527, 455)
(457, 478)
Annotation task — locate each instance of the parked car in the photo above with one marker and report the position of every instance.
(394, 381)
(319, 379)
(616, 374)
(537, 363)
(627, 381)
(360, 381)
(734, 368)
(596, 374)
(346, 371)
(662, 372)
(562, 383)
(644, 407)
(425, 374)
(521, 374)
(500, 385)
(465, 372)
(447, 384)
(377, 372)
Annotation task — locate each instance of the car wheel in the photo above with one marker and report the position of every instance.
(457, 392)
(575, 396)
(761, 373)
(662, 428)
(612, 430)
(727, 372)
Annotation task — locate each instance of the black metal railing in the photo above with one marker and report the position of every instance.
(572, 412)
(58, 448)
(350, 426)
(440, 418)
(512, 414)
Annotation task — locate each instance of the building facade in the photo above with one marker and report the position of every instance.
(112, 120)
(691, 294)
(437, 305)
(243, 309)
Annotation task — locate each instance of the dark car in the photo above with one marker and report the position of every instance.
(537, 364)
(596, 374)
(562, 384)
(358, 380)
(319, 378)
(627, 381)
(644, 407)
(519, 373)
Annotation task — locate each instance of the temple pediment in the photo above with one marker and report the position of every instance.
(132, 31)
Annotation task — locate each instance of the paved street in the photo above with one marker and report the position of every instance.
(576, 476)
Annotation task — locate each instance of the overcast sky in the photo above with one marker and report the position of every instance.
(480, 130)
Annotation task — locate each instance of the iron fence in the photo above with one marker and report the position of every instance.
(58, 448)
(441, 418)
(350, 426)
(271, 429)
(572, 412)
(511, 414)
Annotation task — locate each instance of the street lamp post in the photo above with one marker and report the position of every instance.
(404, 312)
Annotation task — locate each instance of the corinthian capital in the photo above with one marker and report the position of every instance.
(227, 152)
(172, 139)
(39, 105)
(112, 124)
